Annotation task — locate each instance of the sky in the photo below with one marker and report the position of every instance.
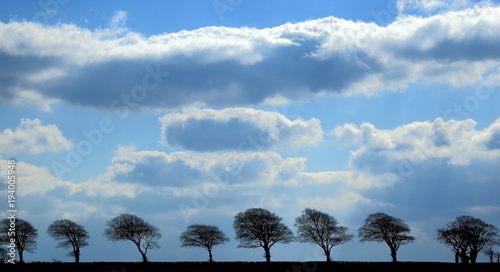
(188, 112)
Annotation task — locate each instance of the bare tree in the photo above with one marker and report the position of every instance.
(473, 235)
(257, 227)
(3, 255)
(321, 228)
(497, 256)
(130, 227)
(24, 234)
(70, 234)
(204, 236)
(490, 253)
(380, 227)
(453, 237)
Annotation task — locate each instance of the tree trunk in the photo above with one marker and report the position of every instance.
(267, 251)
(457, 256)
(210, 260)
(20, 252)
(463, 256)
(393, 255)
(77, 256)
(327, 254)
(473, 256)
(144, 258)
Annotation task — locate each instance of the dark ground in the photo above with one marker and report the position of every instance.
(254, 266)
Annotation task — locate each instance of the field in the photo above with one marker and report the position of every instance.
(253, 266)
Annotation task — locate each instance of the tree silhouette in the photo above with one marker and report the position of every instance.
(3, 255)
(130, 227)
(467, 236)
(489, 253)
(70, 234)
(204, 236)
(25, 236)
(497, 256)
(453, 237)
(320, 228)
(380, 227)
(257, 227)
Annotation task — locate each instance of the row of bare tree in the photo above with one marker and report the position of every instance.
(257, 227)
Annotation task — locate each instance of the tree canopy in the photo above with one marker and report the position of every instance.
(25, 236)
(257, 227)
(133, 228)
(381, 227)
(322, 229)
(467, 236)
(70, 234)
(204, 236)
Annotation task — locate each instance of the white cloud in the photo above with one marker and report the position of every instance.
(353, 179)
(344, 202)
(183, 171)
(242, 129)
(483, 209)
(42, 195)
(429, 166)
(33, 180)
(33, 138)
(248, 66)
(75, 210)
(456, 141)
(180, 170)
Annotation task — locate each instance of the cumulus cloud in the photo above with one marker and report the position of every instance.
(182, 174)
(191, 169)
(455, 141)
(51, 197)
(435, 165)
(184, 182)
(220, 66)
(38, 181)
(33, 138)
(242, 129)
(33, 179)
(190, 183)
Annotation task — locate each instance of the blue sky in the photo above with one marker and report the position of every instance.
(188, 112)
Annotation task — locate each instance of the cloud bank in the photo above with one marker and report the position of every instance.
(435, 164)
(220, 66)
